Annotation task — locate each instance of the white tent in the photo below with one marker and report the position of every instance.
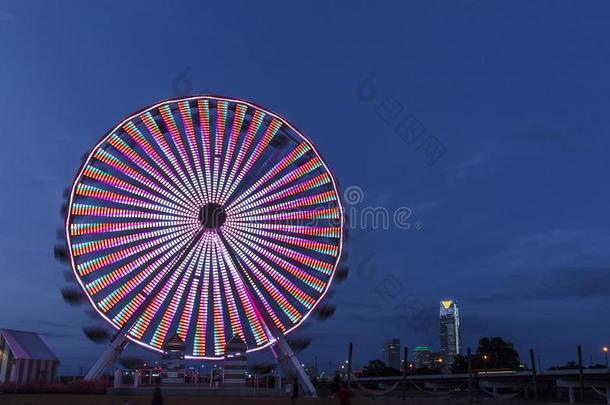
(25, 357)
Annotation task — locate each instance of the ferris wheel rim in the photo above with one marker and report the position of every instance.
(216, 97)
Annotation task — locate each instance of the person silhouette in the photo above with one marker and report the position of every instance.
(344, 395)
(157, 398)
(295, 391)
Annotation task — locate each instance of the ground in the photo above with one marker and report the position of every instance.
(44, 399)
(27, 399)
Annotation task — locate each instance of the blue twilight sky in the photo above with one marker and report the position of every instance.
(514, 216)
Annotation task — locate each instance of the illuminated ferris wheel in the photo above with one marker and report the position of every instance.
(206, 217)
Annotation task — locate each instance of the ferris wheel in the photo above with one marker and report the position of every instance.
(206, 217)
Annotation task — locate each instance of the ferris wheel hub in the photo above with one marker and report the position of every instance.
(212, 216)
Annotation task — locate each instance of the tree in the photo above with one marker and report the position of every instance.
(570, 365)
(377, 368)
(495, 353)
(459, 365)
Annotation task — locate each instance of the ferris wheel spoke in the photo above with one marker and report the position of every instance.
(304, 230)
(139, 138)
(267, 248)
(255, 321)
(89, 210)
(269, 287)
(199, 345)
(109, 180)
(187, 123)
(171, 196)
(270, 132)
(185, 318)
(289, 178)
(88, 228)
(117, 198)
(234, 320)
(317, 214)
(128, 310)
(306, 244)
(286, 161)
(168, 316)
(221, 116)
(244, 148)
(259, 268)
(174, 166)
(159, 292)
(83, 248)
(238, 119)
(276, 265)
(107, 259)
(142, 324)
(206, 138)
(218, 326)
(310, 201)
(170, 124)
(155, 258)
(305, 186)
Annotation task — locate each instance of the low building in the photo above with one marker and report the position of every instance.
(424, 357)
(312, 372)
(173, 361)
(25, 357)
(235, 363)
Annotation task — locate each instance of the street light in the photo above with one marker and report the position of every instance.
(605, 350)
(485, 361)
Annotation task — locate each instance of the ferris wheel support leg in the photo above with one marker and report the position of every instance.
(291, 365)
(110, 355)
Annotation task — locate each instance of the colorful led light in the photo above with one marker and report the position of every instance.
(150, 262)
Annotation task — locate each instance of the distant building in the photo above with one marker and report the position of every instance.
(235, 363)
(173, 361)
(391, 353)
(25, 357)
(312, 372)
(423, 357)
(450, 330)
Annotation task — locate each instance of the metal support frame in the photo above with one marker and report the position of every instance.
(291, 365)
(110, 355)
(534, 374)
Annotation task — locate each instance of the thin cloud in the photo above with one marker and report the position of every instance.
(569, 282)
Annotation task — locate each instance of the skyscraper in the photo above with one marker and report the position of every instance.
(391, 353)
(450, 330)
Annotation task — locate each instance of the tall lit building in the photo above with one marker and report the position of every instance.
(450, 330)
(391, 353)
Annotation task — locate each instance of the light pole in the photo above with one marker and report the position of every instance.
(485, 361)
(605, 350)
